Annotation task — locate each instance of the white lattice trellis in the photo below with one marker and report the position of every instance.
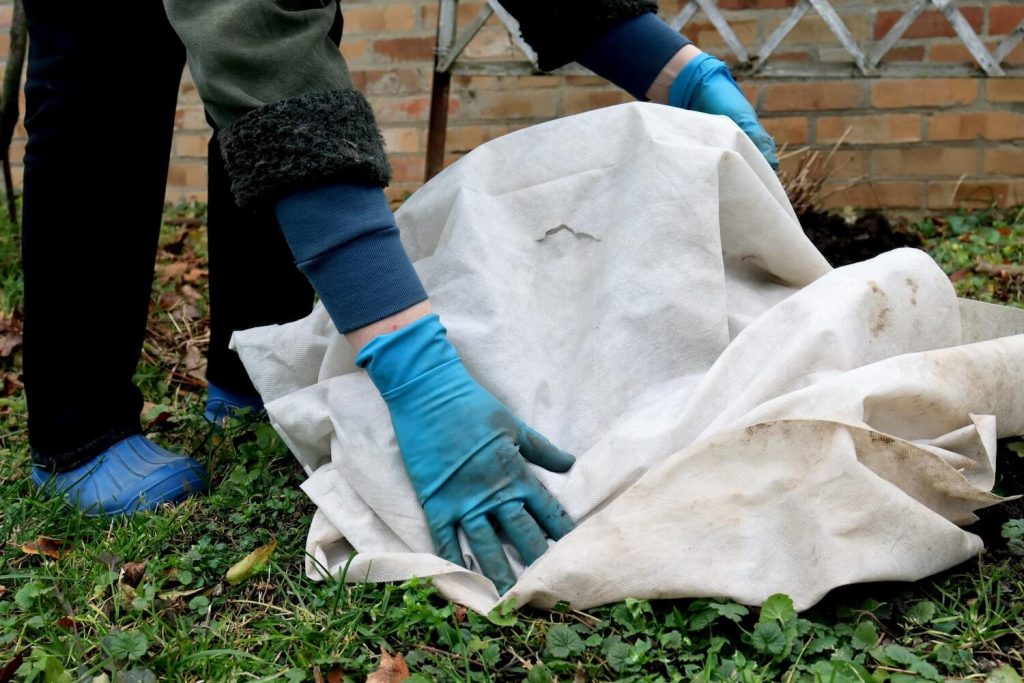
(865, 60)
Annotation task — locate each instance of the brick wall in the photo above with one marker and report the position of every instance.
(911, 144)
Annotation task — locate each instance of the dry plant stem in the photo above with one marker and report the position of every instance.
(986, 268)
(804, 186)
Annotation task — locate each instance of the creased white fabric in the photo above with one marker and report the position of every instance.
(633, 283)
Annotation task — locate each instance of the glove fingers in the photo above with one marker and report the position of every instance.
(522, 530)
(488, 551)
(446, 543)
(548, 512)
(538, 450)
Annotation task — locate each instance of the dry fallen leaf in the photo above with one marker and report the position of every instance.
(195, 275)
(10, 334)
(251, 564)
(195, 363)
(11, 384)
(335, 675)
(44, 545)
(172, 271)
(132, 573)
(191, 293)
(391, 669)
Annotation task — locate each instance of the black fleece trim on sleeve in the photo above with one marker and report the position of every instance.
(303, 141)
(562, 30)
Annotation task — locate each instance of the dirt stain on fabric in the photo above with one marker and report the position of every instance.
(912, 283)
(563, 226)
(880, 315)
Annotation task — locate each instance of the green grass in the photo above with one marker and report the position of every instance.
(75, 619)
(960, 241)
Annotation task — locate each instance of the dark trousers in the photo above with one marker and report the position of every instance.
(95, 171)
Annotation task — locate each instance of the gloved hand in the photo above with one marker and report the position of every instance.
(465, 452)
(706, 85)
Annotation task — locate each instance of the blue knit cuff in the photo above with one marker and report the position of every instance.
(345, 240)
(633, 53)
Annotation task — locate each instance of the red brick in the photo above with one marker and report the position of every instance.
(354, 49)
(790, 130)
(1004, 89)
(705, 34)
(378, 18)
(924, 161)
(975, 192)
(876, 129)
(407, 167)
(492, 43)
(990, 125)
(398, 140)
(405, 109)
(496, 104)
(904, 53)
(405, 49)
(392, 80)
(1004, 19)
(872, 195)
(898, 93)
(812, 96)
(1004, 161)
(462, 139)
(468, 10)
(191, 145)
(930, 24)
(187, 174)
(575, 101)
(190, 118)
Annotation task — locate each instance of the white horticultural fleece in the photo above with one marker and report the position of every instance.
(633, 283)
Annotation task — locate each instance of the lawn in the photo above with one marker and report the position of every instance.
(148, 599)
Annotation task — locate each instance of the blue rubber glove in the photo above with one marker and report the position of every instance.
(133, 474)
(706, 85)
(465, 452)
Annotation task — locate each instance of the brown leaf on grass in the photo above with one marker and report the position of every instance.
(155, 414)
(460, 614)
(191, 293)
(195, 364)
(336, 674)
(195, 275)
(50, 547)
(132, 573)
(3, 589)
(10, 334)
(66, 622)
(391, 669)
(168, 272)
(11, 384)
(251, 564)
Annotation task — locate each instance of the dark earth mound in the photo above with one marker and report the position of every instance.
(842, 243)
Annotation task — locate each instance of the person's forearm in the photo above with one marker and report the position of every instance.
(658, 92)
(361, 337)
